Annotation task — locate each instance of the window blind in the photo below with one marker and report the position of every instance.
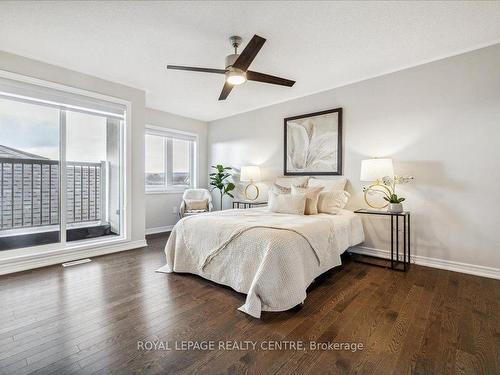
(170, 133)
(37, 94)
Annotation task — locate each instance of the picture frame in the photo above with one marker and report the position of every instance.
(313, 144)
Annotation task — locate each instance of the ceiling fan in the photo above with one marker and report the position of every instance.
(237, 67)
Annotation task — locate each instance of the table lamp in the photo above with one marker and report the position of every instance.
(374, 170)
(251, 174)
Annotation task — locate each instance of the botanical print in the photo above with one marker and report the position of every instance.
(312, 144)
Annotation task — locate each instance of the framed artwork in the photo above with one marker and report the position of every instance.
(313, 144)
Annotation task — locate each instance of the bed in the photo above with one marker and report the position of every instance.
(270, 257)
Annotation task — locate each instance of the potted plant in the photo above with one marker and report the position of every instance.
(395, 204)
(219, 181)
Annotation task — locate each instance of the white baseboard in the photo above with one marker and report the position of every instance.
(42, 260)
(167, 228)
(448, 265)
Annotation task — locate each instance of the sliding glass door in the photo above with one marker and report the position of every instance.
(61, 169)
(93, 165)
(29, 174)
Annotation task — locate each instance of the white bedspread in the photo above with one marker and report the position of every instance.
(271, 257)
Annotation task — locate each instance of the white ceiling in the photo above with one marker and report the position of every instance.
(321, 45)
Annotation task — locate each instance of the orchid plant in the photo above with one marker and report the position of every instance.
(388, 188)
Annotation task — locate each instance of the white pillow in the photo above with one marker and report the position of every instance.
(331, 202)
(196, 204)
(329, 185)
(278, 189)
(287, 203)
(289, 181)
(311, 198)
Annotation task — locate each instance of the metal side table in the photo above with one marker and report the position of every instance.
(248, 204)
(395, 262)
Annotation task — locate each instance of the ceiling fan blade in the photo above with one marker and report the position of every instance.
(266, 78)
(251, 50)
(195, 69)
(225, 91)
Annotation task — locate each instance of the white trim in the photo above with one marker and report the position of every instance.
(155, 230)
(168, 134)
(63, 179)
(49, 249)
(166, 191)
(126, 172)
(17, 264)
(448, 265)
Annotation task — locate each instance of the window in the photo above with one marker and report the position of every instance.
(61, 169)
(170, 160)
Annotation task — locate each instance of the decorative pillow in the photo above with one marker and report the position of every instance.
(289, 181)
(287, 203)
(196, 204)
(329, 185)
(331, 202)
(312, 198)
(278, 189)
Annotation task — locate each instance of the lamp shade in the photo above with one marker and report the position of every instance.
(250, 173)
(375, 169)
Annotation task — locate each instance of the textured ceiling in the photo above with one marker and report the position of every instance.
(321, 45)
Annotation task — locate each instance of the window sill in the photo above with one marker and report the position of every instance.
(169, 191)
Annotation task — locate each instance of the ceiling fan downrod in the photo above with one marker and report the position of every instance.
(235, 42)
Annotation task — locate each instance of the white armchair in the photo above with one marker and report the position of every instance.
(195, 194)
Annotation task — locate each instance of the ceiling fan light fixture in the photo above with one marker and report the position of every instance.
(236, 68)
(236, 77)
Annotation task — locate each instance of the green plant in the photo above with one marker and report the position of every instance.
(393, 198)
(390, 184)
(219, 181)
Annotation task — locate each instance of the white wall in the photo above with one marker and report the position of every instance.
(36, 69)
(159, 214)
(440, 122)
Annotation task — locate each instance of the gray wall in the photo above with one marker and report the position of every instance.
(159, 214)
(440, 122)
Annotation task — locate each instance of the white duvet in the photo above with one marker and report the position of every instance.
(271, 257)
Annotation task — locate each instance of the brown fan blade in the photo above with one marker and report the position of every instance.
(225, 91)
(251, 50)
(195, 69)
(266, 78)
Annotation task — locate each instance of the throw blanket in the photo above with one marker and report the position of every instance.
(271, 257)
(199, 234)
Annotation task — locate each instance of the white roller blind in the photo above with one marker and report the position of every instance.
(57, 98)
(154, 130)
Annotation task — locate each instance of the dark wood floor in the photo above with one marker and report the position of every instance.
(88, 319)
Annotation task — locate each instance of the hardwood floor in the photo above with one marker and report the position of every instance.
(89, 318)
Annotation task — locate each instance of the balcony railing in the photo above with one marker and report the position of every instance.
(29, 192)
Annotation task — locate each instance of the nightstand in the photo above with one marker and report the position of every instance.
(248, 204)
(395, 262)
